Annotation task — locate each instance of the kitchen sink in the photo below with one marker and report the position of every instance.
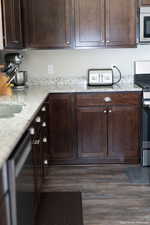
(9, 110)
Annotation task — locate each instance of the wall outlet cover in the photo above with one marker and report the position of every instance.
(50, 69)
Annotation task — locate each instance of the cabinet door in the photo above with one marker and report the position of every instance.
(61, 127)
(89, 23)
(12, 24)
(121, 23)
(48, 23)
(145, 2)
(92, 132)
(123, 133)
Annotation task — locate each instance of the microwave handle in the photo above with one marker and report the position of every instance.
(23, 158)
(120, 75)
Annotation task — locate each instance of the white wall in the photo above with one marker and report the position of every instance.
(76, 62)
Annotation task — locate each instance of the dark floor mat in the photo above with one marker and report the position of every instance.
(60, 208)
(138, 175)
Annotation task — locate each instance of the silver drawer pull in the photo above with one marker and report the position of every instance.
(45, 140)
(107, 99)
(38, 119)
(43, 109)
(45, 162)
(105, 111)
(44, 124)
(110, 111)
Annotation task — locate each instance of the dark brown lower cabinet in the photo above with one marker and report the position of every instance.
(92, 132)
(61, 127)
(84, 128)
(123, 133)
(108, 132)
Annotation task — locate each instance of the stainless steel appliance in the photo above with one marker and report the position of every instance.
(145, 24)
(21, 182)
(18, 78)
(142, 79)
(4, 196)
(102, 77)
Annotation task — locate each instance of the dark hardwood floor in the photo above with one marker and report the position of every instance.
(111, 194)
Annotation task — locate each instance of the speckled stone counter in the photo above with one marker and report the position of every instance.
(12, 127)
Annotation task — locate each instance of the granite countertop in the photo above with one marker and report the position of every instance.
(27, 102)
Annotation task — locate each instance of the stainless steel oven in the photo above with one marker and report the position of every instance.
(145, 24)
(21, 182)
(146, 130)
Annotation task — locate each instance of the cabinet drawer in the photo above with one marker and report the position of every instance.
(97, 99)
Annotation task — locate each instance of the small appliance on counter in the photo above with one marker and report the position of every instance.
(102, 77)
(18, 78)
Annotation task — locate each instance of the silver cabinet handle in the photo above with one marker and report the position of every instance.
(32, 131)
(110, 111)
(45, 162)
(107, 99)
(38, 119)
(44, 124)
(105, 111)
(107, 41)
(43, 109)
(44, 140)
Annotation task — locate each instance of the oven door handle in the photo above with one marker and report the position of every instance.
(23, 158)
(21, 153)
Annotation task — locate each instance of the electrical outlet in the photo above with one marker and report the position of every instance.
(50, 69)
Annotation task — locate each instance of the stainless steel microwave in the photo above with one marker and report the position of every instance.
(145, 24)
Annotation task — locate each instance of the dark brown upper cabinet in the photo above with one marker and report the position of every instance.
(121, 23)
(110, 23)
(89, 23)
(145, 2)
(12, 26)
(48, 23)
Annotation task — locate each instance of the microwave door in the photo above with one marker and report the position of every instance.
(145, 28)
